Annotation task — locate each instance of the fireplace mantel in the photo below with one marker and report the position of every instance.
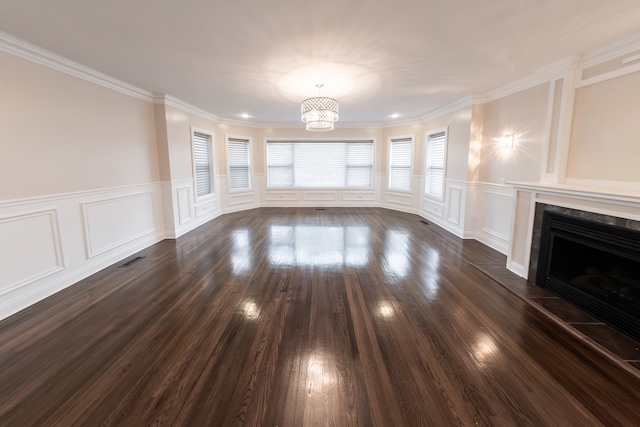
(597, 194)
(621, 201)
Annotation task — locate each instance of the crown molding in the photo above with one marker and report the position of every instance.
(369, 125)
(171, 101)
(38, 55)
(398, 123)
(538, 76)
(244, 123)
(611, 51)
(448, 109)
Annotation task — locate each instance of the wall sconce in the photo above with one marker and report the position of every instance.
(506, 142)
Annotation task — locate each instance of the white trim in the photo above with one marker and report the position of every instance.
(549, 128)
(518, 269)
(629, 59)
(57, 248)
(38, 55)
(611, 186)
(184, 106)
(495, 234)
(608, 76)
(31, 294)
(69, 261)
(184, 215)
(447, 109)
(499, 195)
(87, 229)
(296, 125)
(611, 51)
(565, 125)
(535, 78)
(626, 198)
(52, 197)
(529, 240)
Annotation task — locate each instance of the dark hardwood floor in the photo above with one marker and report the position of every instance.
(304, 317)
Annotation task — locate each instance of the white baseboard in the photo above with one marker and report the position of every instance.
(517, 269)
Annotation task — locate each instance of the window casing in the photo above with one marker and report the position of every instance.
(202, 164)
(239, 166)
(335, 164)
(400, 162)
(436, 164)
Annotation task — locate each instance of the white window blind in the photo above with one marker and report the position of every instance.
(238, 159)
(400, 158)
(436, 149)
(320, 164)
(202, 162)
(359, 164)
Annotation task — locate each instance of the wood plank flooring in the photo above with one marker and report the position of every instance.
(304, 317)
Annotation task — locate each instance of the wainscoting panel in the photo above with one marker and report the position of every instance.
(184, 204)
(187, 214)
(404, 199)
(354, 196)
(113, 222)
(207, 208)
(30, 249)
(320, 196)
(454, 203)
(496, 207)
(283, 196)
(433, 207)
(450, 212)
(241, 199)
(49, 243)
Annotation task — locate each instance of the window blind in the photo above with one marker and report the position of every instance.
(202, 161)
(238, 159)
(320, 164)
(400, 158)
(435, 164)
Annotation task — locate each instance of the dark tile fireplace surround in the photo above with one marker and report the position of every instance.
(591, 260)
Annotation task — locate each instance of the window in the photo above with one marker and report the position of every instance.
(202, 164)
(320, 164)
(436, 161)
(238, 159)
(400, 158)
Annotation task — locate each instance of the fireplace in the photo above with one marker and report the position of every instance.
(593, 264)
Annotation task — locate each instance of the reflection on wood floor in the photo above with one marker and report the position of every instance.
(302, 317)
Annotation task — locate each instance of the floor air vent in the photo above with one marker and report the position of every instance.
(132, 261)
(319, 209)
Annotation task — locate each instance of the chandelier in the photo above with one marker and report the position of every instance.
(319, 113)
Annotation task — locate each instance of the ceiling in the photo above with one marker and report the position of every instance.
(261, 58)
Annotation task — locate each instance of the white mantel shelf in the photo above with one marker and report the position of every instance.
(607, 195)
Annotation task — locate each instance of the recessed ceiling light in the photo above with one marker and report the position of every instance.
(245, 116)
(394, 115)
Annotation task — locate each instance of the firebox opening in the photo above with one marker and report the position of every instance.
(593, 265)
(609, 277)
